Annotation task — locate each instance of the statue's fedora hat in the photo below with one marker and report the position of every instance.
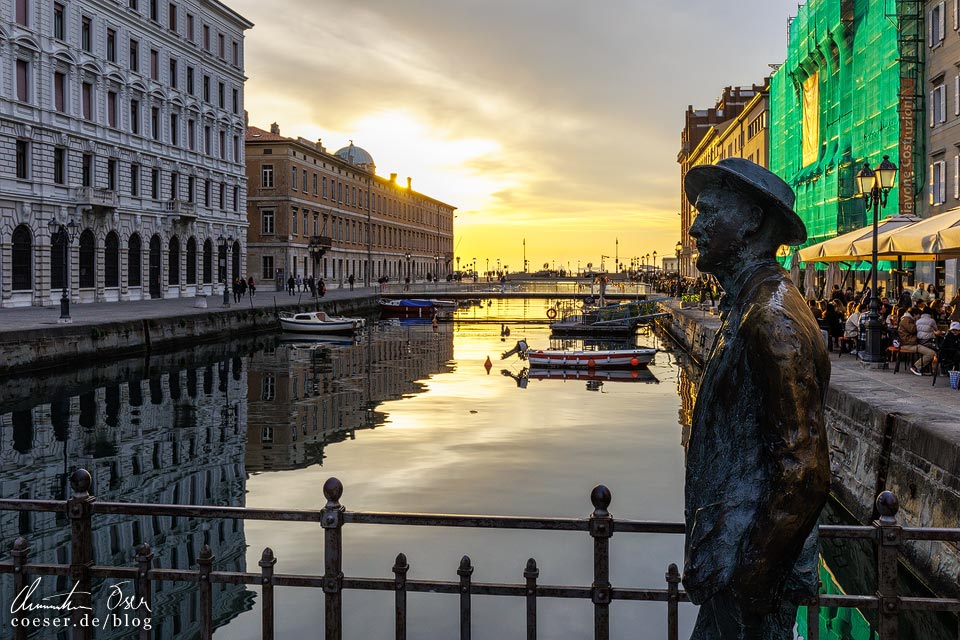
(776, 197)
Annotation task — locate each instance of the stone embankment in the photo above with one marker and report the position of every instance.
(887, 431)
(88, 341)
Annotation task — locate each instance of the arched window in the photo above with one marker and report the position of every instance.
(174, 257)
(134, 248)
(88, 260)
(192, 261)
(58, 245)
(207, 261)
(22, 259)
(111, 260)
(236, 259)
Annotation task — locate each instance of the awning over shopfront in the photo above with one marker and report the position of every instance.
(842, 248)
(933, 238)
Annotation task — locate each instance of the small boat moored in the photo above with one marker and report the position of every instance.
(318, 322)
(584, 358)
(408, 308)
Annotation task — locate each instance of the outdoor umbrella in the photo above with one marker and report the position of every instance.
(925, 240)
(795, 269)
(833, 276)
(848, 246)
(810, 282)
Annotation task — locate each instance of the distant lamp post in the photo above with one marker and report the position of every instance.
(458, 264)
(679, 247)
(654, 263)
(67, 233)
(874, 187)
(223, 243)
(436, 266)
(409, 275)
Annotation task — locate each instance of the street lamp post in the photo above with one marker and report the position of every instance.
(222, 243)
(436, 267)
(67, 233)
(678, 248)
(874, 187)
(654, 264)
(409, 275)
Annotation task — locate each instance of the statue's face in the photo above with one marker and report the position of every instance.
(719, 228)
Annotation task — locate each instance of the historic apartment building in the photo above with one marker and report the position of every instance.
(735, 127)
(313, 213)
(123, 122)
(942, 76)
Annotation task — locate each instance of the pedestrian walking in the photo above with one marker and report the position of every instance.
(351, 281)
(291, 283)
(299, 283)
(321, 288)
(243, 288)
(252, 286)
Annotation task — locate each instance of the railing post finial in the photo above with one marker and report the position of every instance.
(80, 482)
(332, 490)
(888, 506)
(601, 498)
(531, 570)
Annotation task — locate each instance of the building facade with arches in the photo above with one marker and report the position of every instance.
(329, 215)
(121, 149)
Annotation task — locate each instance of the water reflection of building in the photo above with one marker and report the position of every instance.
(167, 431)
(688, 381)
(303, 398)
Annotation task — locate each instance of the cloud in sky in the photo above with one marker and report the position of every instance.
(554, 120)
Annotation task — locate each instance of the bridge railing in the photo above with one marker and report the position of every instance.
(886, 534)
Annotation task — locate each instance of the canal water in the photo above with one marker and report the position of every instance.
(409, 419)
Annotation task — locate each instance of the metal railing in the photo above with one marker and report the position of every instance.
(886, 534)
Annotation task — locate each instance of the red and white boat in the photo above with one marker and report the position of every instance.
(601, 375)
(583, 359)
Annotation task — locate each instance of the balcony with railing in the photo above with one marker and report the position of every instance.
(97, 199)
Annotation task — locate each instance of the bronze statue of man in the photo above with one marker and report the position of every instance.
(757, 472)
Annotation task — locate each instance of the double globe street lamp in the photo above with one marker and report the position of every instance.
(222, 243)
(679, 247)
(66, 233)
(874, 186)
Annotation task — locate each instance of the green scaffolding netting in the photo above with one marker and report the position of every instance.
(834, 104)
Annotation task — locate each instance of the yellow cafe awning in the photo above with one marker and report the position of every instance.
(930, 239)
(842, 248)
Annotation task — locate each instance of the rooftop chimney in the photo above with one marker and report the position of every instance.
(409, 183)
(393, 178)
(320, 145)
(275, 128)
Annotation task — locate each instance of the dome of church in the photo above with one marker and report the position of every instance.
(356, 156)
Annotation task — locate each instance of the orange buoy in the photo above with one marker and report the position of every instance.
(488, 365)
(591, 364)
(634, 362)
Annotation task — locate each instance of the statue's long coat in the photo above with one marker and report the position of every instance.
(758, 471)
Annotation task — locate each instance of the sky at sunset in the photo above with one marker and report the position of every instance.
(550, 120)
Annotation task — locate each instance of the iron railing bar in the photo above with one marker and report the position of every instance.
(855, 602)
(474, 521)
(856, 532)
(929, 533)
(638, 526)
(114, 572)
(908, 603)
(39, 568)
(233, 513)
(47, 506)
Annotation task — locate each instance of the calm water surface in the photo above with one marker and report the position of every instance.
(408, 419)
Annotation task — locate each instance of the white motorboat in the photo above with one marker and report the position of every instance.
(583, 358)
(318, 322)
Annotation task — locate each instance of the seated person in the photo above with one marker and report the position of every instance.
(907, 333)
(851, 329)
(927, 331)
(950, 349)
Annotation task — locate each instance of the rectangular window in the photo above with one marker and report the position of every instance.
(155, 123)
(172, 17)
(154, 11)
(236, 149)
(191, 135)
(174, 130)
(87, 98)
(86, 171)
(23, 12)
(324, 186)
(154, 64)
(223, 197)
(938, 105)
(59, 165)
(206, 88)
(236, 53)
(267, 275)
(206, 37)
(236, 101)
(23, 159)
(135, 180)
(266, 226)
(190, 80)
(111, 45)
(174, 186)
(236, 199)
(293, 179)
(293, 220)
(221, 46)
(155, 184)
(303, 185)
(135, 116)
(206, 140)
(112, 109)
(60, 91)
(86, 24)
(190, 34)
(134, 55)
(111, 174)
(266, 176)
(936, 25)
(173, 73)
(314, 185)
(938, 186)
(221, 95)
(23, 85)
(134, 4)
(59, 21)
(191, 188)
(223, 145)
(206, 193)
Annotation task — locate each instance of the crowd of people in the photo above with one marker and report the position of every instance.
(917, 321)
(314, 286)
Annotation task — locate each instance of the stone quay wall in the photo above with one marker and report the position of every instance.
(886, 432)
(70, 345)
